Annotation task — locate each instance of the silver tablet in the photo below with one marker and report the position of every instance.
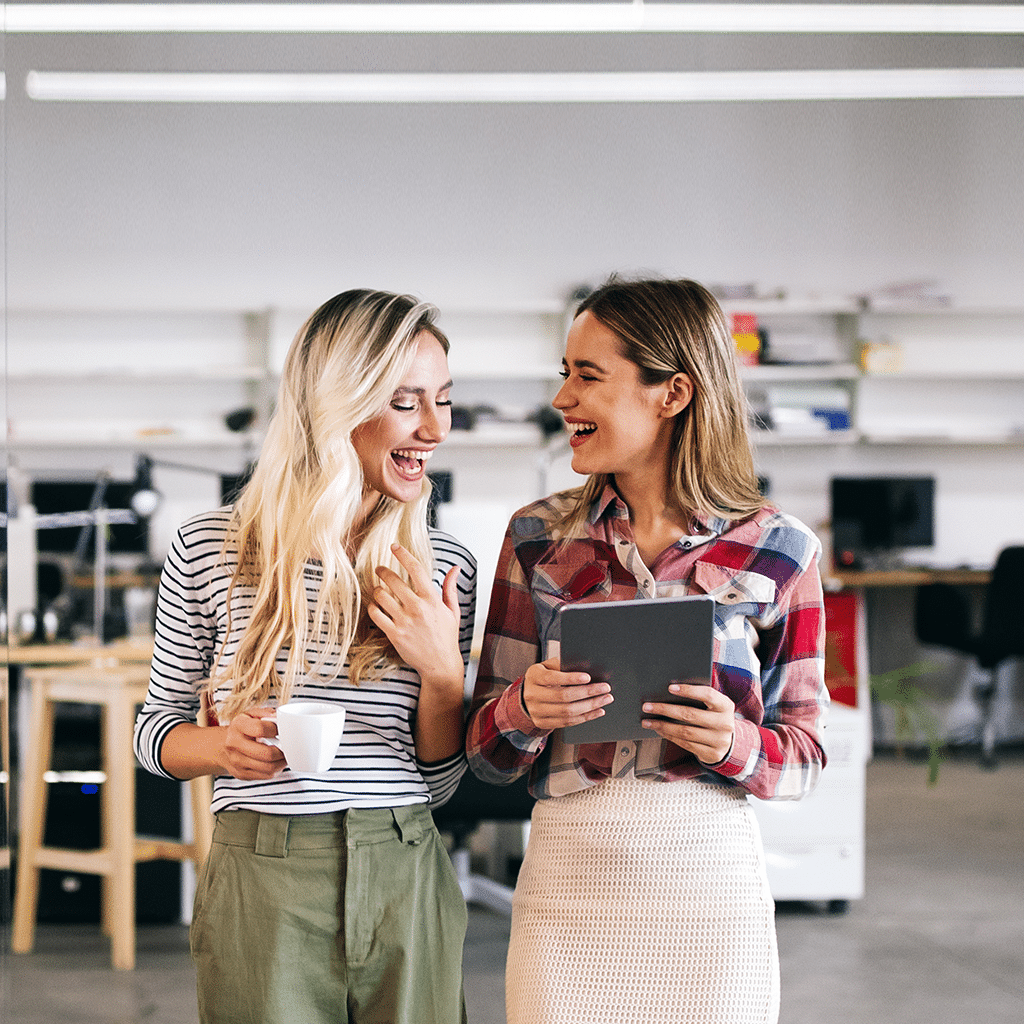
(639, 647)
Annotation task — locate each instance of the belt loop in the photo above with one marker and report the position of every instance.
(407, 822)
(272, 835)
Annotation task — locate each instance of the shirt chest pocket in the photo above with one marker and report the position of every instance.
(553, 586)
(746, 593)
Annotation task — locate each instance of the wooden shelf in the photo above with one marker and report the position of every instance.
(775, 438)
(765, 373)
(136, 374)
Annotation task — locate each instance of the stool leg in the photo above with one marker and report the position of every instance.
(37, 754)
(119, 830)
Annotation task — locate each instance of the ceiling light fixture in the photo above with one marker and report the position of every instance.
(562, 87)
(771, 18)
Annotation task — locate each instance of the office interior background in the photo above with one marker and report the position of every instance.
(161, 252)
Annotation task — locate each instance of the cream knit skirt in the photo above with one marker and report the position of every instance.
(643, 903)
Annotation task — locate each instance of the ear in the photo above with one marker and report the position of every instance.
(678, 394)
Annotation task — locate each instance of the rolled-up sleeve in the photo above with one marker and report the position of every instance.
(502, 741)
(780, 756)
(182, 653)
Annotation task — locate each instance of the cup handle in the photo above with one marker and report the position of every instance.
(270, 741)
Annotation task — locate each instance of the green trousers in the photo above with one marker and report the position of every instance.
(350, 918)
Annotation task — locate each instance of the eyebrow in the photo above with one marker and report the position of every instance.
(586, 364)
(420, 392)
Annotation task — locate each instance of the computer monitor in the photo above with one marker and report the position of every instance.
(75, 496)
(875, 518)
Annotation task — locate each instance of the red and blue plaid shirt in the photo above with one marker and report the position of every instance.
(768, 657)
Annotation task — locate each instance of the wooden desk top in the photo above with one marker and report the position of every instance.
(909, 577)
(69, 653)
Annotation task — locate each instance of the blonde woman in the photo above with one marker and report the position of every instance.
(643, 894)
(326, 898)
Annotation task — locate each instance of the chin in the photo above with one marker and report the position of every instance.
(405, 491)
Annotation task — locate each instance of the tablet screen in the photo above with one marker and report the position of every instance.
(638, 647)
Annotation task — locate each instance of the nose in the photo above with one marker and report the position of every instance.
(564, 399)
(436, 423)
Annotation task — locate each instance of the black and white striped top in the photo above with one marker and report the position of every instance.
(376, 765)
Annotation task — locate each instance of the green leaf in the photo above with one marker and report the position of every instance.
(913, 716)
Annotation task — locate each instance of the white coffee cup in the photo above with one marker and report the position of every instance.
(309, 733)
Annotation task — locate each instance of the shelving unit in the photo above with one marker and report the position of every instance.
(958, 379)
(106, 380)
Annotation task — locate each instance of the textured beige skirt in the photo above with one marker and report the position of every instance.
(643, 903)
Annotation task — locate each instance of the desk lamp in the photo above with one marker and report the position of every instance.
(145, 498)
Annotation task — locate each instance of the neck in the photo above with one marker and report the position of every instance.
(652, 512)
(657, 521)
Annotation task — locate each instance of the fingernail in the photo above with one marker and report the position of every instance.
(648, 708)
(675, 688)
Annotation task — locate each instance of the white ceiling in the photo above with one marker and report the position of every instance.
(223, 206)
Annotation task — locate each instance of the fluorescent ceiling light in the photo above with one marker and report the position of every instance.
(515, 17)
(601, 87)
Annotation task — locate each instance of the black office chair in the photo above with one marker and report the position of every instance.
(475, 802)
(942, 616)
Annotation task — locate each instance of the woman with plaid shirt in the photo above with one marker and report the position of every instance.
(643, 894)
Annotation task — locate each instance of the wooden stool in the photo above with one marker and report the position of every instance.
(5, 767)
(118, 689)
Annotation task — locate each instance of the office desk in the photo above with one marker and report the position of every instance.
(814, 848)
(850, 580)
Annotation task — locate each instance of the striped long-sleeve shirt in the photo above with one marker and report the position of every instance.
(376, 765)
(768, 653)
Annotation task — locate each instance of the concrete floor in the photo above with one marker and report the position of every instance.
(938, 938)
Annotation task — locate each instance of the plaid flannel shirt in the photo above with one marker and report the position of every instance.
(768, 646)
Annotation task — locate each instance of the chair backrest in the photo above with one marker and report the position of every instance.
(942, 616)
(475, 801)
(1002, 629)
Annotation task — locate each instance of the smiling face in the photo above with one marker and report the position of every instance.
(395, 446)
(618, 426)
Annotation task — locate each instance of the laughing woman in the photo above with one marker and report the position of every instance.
(643, 894)
(330, 897)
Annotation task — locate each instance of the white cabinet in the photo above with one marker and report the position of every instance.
(814, 847)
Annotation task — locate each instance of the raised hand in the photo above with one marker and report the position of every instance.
(422, 624)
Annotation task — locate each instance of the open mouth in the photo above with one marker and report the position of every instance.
(579, 432)
(411, 461)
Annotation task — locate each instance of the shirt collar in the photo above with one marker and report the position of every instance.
(609, 505)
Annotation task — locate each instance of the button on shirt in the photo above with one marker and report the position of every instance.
(768, 646)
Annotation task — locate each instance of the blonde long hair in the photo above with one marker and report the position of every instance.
(304, 498)
(667, 327)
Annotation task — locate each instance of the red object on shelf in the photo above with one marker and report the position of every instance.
(744, 323)
(841, 648)
(746, 338)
